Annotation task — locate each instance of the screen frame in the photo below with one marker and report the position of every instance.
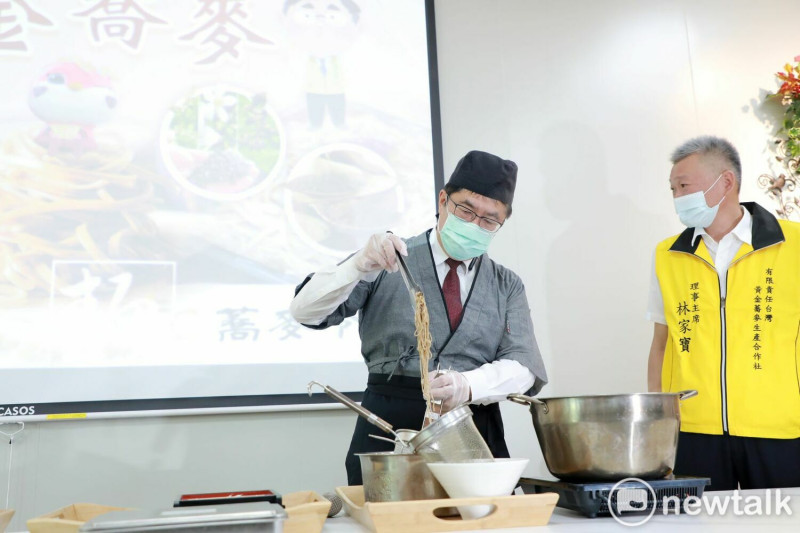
(145, 407)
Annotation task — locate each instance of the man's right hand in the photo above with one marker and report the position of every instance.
(379, 253)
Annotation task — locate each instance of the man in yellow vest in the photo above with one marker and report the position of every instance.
(725, 300)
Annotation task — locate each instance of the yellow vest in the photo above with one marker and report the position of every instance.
(740, 353)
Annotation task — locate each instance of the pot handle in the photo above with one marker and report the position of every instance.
(527, 400)
(382, 438)
(682, 395)
(364, 413)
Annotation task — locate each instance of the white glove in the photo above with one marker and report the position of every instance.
(452, 388)
(379, 253)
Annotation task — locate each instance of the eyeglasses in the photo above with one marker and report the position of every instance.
(468, 215)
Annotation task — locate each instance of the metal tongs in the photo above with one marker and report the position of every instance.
(408, 279)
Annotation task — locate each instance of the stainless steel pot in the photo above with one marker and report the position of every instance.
(392, 477)
(607, 438)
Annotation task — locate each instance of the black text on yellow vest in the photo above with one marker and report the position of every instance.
(740, 352)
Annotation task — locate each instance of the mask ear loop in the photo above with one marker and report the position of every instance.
(712, 186)
(10, 453)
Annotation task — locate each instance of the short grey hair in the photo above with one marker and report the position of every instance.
(714, 146)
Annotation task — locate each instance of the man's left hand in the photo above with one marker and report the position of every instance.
(452, 388)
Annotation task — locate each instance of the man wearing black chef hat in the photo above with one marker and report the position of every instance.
(479, 316)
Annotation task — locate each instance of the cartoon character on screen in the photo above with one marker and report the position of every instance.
(324, 29)
(72, 99)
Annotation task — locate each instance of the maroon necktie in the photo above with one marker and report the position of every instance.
(452, 293)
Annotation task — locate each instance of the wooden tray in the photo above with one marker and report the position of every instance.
(68, 519)
(307, 512)
(418, 515)
(5, 518)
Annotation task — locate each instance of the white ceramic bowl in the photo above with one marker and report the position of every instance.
(478, 478)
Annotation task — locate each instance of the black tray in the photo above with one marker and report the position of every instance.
(591, 498)
(220, 498)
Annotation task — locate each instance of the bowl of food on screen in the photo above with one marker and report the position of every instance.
(338, 195)
(481, 478)
(222, 143)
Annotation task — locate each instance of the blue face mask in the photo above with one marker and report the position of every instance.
(693, 210)
(464, 240)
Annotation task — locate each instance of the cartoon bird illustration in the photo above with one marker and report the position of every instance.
(71, 99)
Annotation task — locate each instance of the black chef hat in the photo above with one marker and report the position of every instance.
(487, 175)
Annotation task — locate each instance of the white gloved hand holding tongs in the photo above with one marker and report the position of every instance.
(379, 253)
(449, 387)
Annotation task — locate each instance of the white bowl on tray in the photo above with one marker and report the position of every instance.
(497, 477)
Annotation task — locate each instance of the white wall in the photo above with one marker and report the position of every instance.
(589, 98)
(148, 462)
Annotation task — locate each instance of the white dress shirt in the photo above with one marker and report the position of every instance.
(722, 253)
(329, 288)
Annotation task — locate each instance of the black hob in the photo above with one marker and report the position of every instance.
(597, 498)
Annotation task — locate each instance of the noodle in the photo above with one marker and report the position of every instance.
(424, 341)
(89, 207)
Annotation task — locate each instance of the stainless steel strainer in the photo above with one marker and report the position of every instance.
(453, 438)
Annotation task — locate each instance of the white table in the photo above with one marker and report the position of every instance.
(564, 521)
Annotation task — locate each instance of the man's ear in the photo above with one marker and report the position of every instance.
(730, 181)
(442, 201)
